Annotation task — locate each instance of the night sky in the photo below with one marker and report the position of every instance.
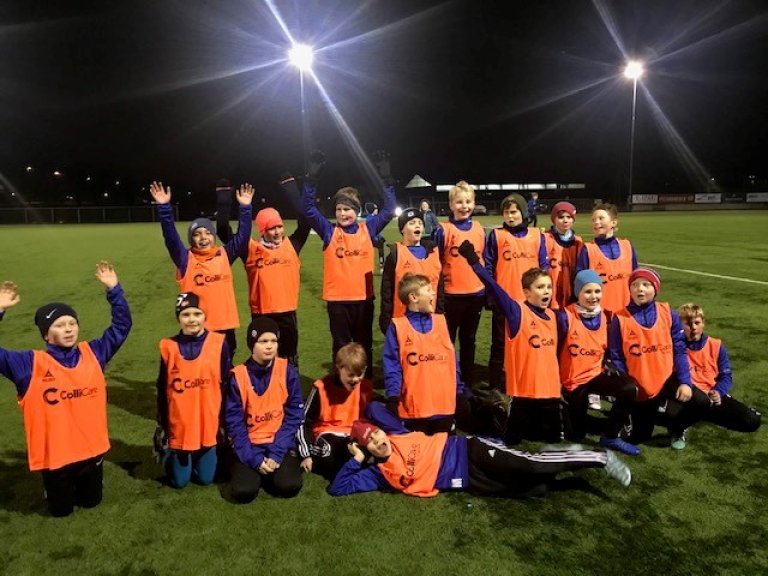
(191, 91)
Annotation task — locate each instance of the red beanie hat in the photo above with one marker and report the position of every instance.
(362, 430)
(563, 207)
(267, 218)
(646, 274)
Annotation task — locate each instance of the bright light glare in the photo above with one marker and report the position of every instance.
(634, 70)
(301, 56)
(398, 211)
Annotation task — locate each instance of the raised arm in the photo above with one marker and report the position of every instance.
(176, 249)
(114, 336)
(238, 245)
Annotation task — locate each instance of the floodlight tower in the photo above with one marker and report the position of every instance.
(301, 56)
(633, 70)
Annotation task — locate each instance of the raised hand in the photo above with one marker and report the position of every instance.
(9, 295)
(159, 194)
(467, 250)
(106, 274)
(244, 195)
(315, 165)
(383, 167)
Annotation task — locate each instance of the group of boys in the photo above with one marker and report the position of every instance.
(555, 340)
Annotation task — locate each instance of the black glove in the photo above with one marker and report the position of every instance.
(315, 165)
(381, 160)
(467, 250)
(288, 184)
(392, 403)
(610, 369)
(159, 443)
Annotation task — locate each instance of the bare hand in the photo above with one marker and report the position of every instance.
(684, 393)
(159, 194)
(272, 464)
(245, 195)
(306, 464)
(264, 468)
(106, 274)
(357, 454)
(9, 295)
(715, 397)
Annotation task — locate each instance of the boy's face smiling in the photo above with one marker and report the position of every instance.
(462, 205)
(412, 231)
(590, 296)
(512, 215)
(693, 328)
(603, 224)
(423, 300)
(202, 239)
(192, 321)
(378, 444)
(345, 216)
(265, 348)
(642, 291)
(63, 332)
(563, 222)
(539, 293)
(349, 378)
(275, 235)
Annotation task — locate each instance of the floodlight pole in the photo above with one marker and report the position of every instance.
(632, 136)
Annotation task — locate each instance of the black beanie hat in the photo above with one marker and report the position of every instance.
(186, 300)
(48, 314)
(259, 326)
(407, 215)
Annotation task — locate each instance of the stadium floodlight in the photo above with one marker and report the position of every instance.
(301, 56)
(633, 70)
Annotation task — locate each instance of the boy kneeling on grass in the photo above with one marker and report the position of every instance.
(193, 365)
(421, 465)
(711, 373)
(63, 396)
(645, 341)
(333, 405)
(263, 410)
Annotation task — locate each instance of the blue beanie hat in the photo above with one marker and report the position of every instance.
(583, 278)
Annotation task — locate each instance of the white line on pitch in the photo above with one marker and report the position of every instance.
(708, 274)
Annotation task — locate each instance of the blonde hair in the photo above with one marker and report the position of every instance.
(410, 284)
(461, 186)
(352, 356)
(690, 311)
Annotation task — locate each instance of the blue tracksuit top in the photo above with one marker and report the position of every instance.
(646, 315)
(179, 253)
(354, 477)
(234, 415)
(17, 365)
(724, 380)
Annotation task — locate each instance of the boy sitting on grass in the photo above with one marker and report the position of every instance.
(421, 465)
(646, 342)
(333, 404)
(421, 376)
(62, 394)
(711, 373)
(193, 365)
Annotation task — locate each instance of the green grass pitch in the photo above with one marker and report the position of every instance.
(699, 511)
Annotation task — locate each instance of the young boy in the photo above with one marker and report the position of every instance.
(530, 353)
(333, 404)
(263, 411)
(464, 294)
(611, 257)
(646, 342)
(62, 394)
(193, 365)
(510, 250)
(711, 373)
(205, 268)
(414, 254)
(348, 257)
(272, 266)
(583, 369)
(421, 465)
(563, 247)
(421, 378)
